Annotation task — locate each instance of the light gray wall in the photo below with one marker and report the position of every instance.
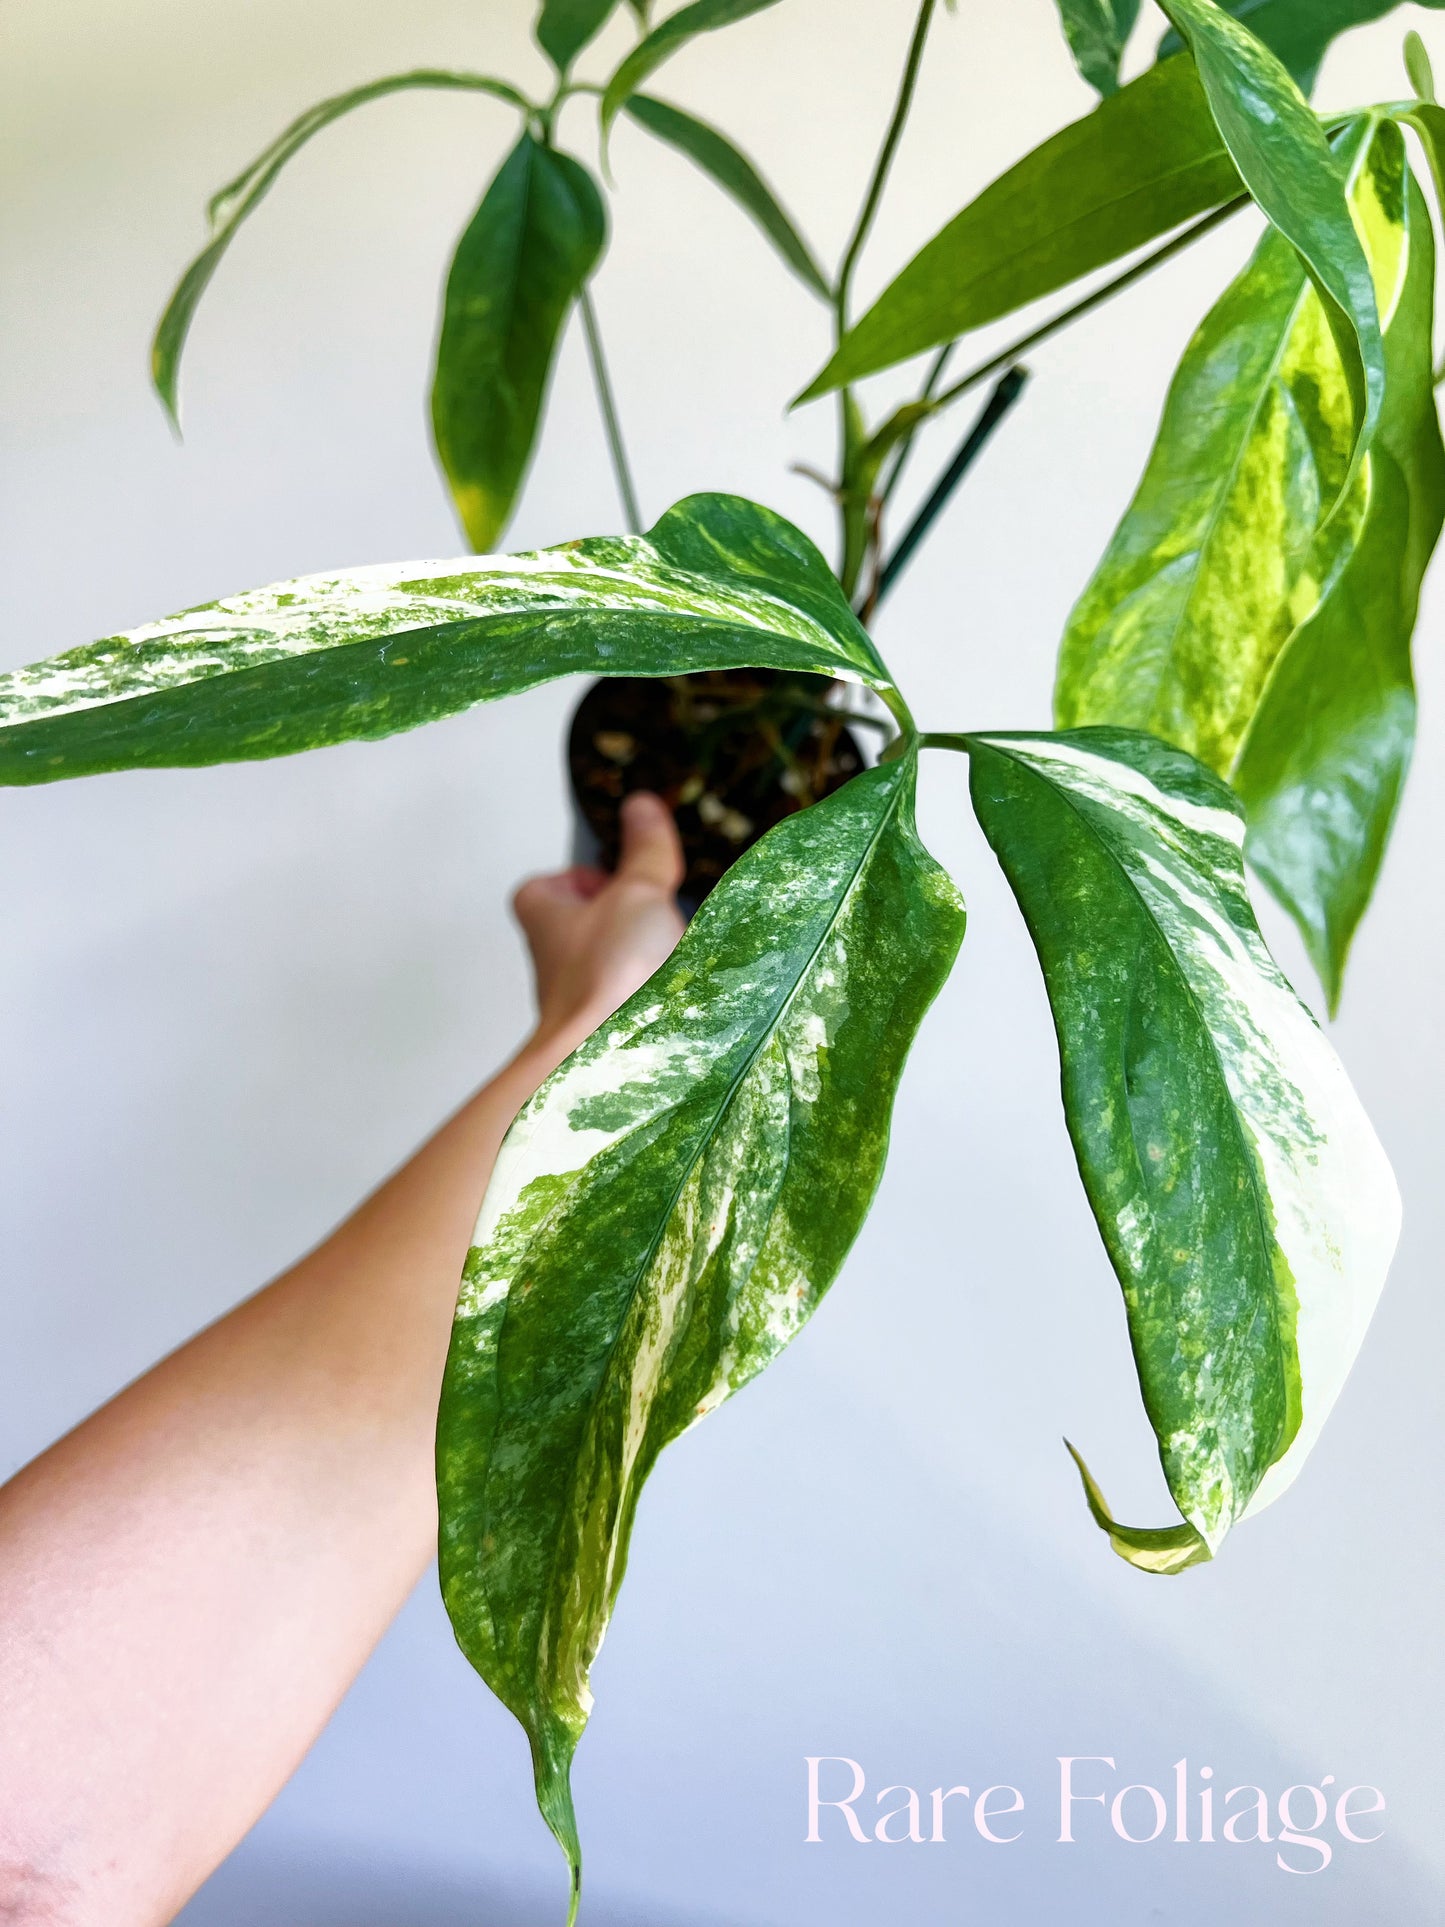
(232, 999)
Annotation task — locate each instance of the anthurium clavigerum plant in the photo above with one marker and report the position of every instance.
(1235, 682)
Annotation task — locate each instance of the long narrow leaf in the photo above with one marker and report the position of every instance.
(718, 583)
(665, 1216)
(1324, 763)
(702, 16)
(1213, 565)
(1300, 31)
(1146, 160)
(518, 268)
(1245, 1203)
(1286, 162)
(715, 154)
(230, 207)
(1097, 32)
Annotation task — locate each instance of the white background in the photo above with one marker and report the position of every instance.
(233, 998)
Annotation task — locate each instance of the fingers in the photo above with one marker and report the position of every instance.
(538, 895)
(651, 846)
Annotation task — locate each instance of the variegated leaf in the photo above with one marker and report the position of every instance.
(1324, 763)
(230, 207)
(1300, 31)
(1285, 161)
(665, 1215)
(718, 583)
(1246, 1205)
(1216, 560)
(1097, 32)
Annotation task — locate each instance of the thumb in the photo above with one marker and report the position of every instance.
(651, 846)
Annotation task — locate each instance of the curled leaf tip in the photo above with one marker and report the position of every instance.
(1161, 1549)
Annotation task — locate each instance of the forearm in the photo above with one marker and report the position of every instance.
(191, 1578)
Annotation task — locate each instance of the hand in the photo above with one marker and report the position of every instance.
(596, 938)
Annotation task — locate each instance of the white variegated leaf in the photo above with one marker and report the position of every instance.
(1245, 1201)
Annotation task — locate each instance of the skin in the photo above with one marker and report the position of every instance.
(191, 1579)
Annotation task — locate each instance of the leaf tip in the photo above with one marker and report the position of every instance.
(1162, 1549)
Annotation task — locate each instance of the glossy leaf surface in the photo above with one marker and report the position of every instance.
(666, 39)
(718, 583)
(1215, 563)
(1246, 1206)
(1324, 763)
(1286, 162)
(1300, 31)
(564, 28)
(1097, 32)
(1147, 159)
(665, 1216)
(230, 207)
(715, 154)
(518, 269)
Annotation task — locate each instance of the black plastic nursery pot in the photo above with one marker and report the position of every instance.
(731, 752)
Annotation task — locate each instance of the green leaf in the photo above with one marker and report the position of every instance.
(1246, 1205)
(1417, 66)
(235, 201)
(1300, 31)
(1149, 158)
(715, 154)
(564, 28)
(517, 270)
(1281, 151)
(703, 16)
(1098, 32)
(1323, 765)
(1215, 562)
(718, 583)
(665, 1215)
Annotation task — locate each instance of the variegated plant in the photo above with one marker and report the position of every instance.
(674, 1203)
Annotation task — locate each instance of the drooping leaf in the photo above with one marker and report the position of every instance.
(702, 16)
(564, 28)
(1246, 1205)
(718, 583)
(1147, 159)
(229, 208)
(1098, 32)
(1215, 564)
(1323, 765)
(1300, 31)
(665, 1215)
(517, 270)
(715, 154)
(1290, 169)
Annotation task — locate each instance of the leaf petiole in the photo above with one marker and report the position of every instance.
(607, 402)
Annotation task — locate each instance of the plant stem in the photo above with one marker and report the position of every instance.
(1091, 301)
(1005, 394)
(607, 403)
(853, 513)
(884, 162)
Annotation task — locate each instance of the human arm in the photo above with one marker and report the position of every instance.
(192, 1577)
